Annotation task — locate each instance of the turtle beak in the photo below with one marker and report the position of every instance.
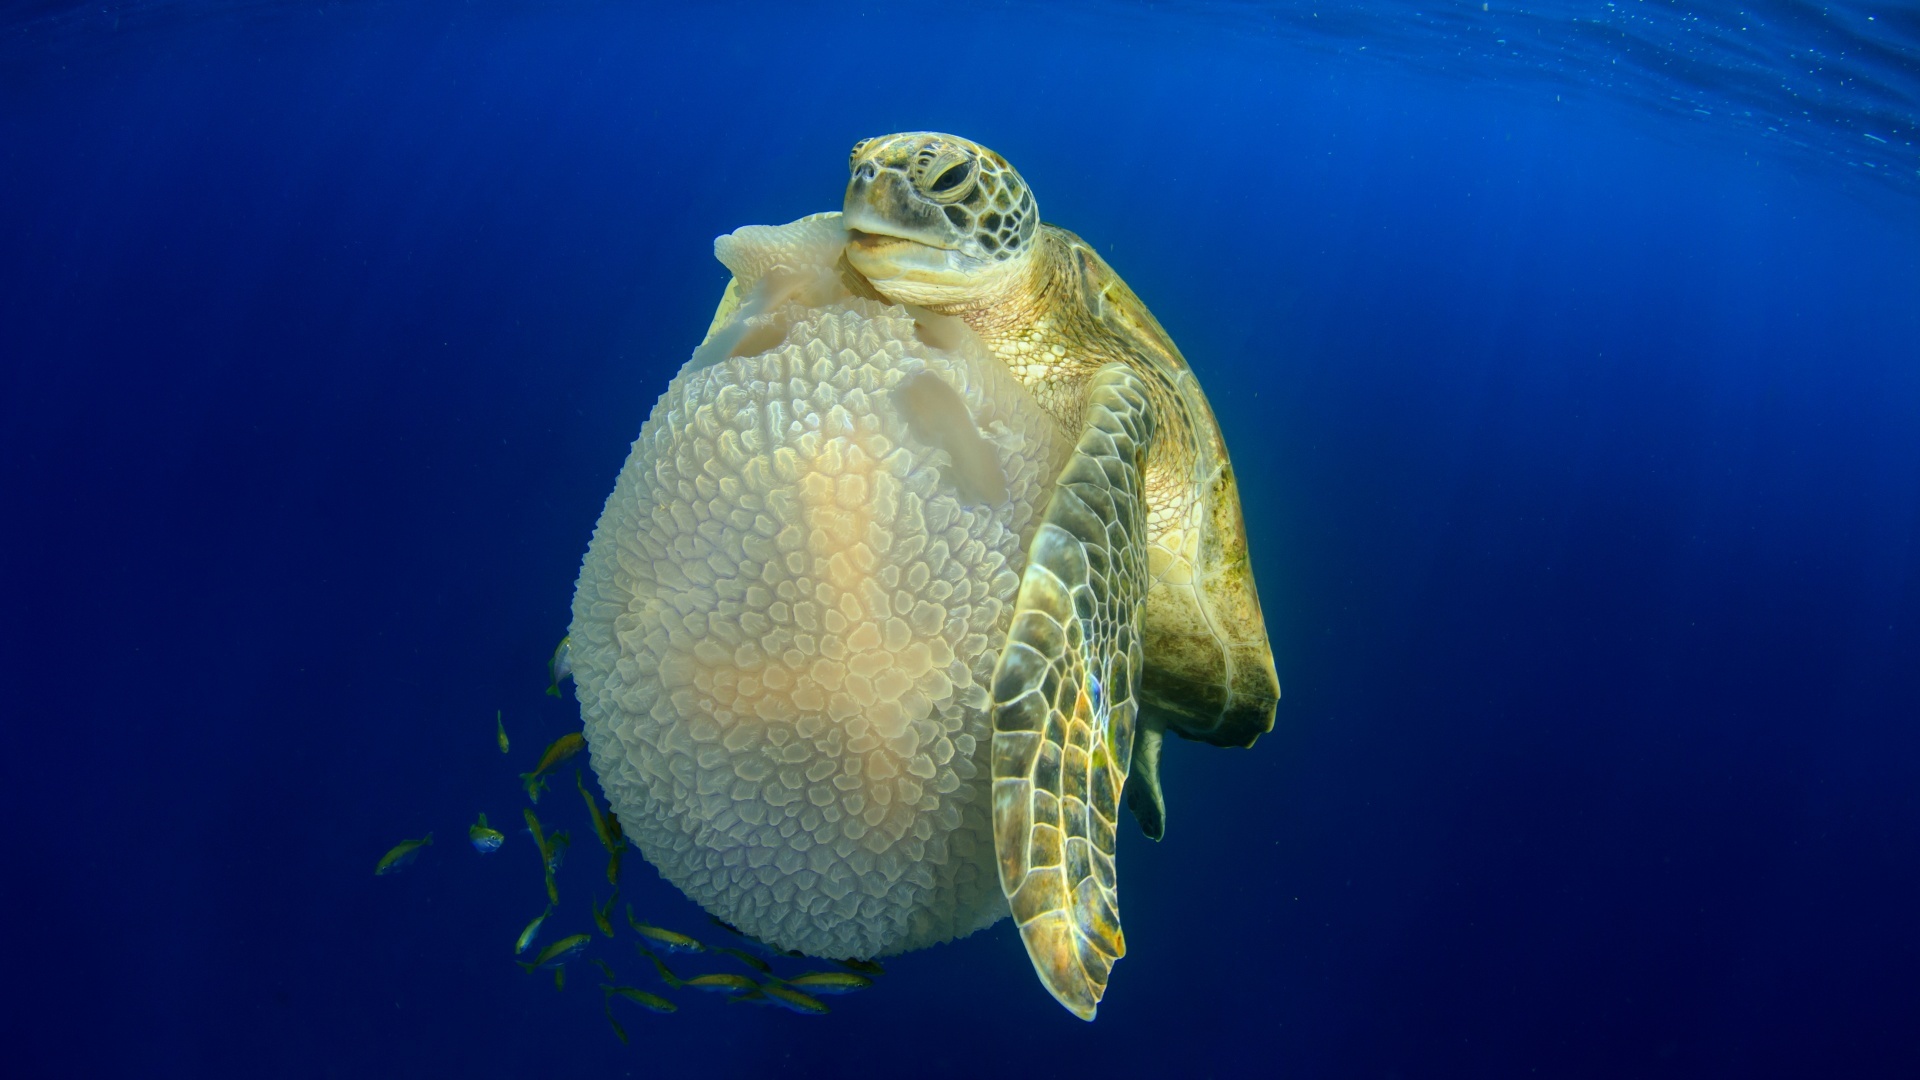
(901, 242)
(883, 210)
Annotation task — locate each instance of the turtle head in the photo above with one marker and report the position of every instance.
(937, 220)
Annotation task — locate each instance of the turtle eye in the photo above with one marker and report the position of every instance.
(955, 175)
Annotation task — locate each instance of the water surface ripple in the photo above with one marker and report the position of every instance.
(1833, 82)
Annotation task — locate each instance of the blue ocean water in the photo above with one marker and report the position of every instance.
(1569, 356)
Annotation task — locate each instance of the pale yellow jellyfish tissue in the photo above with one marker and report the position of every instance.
(785, 624)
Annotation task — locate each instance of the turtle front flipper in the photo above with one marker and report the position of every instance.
(1065, 696)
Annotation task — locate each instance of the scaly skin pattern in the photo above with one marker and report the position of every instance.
(1054, 312)
(1137, 608)
(1209, 667)
(1064, 707)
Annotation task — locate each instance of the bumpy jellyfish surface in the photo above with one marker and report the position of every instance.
(785, 626)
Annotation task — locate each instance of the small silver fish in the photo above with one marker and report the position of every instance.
(532, 931)
(641, 998)
(744, 957)
(722, 983)
(793, 1000)
(560, 665)
(617, 1029)
(669, 940)
(666, 973)
(829, 982)
(601, 913)
(544, 846)
(401, 854)
(485, 840)
(604, 825)
(558, 844)
(556, 754)
(557, 953)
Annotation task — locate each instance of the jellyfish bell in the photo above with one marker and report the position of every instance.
(786, 623)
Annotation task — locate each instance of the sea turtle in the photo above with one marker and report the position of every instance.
(1137, 610)
(929, 524)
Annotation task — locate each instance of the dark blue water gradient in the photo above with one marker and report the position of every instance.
(1831, 85)
(1581, 467)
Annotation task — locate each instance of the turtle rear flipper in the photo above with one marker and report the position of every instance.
(1144, 797)
(1210, 668)
(1065, 699)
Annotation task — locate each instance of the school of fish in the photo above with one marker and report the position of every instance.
(799, 993)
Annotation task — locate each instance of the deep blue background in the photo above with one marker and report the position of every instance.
(1581, 462)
